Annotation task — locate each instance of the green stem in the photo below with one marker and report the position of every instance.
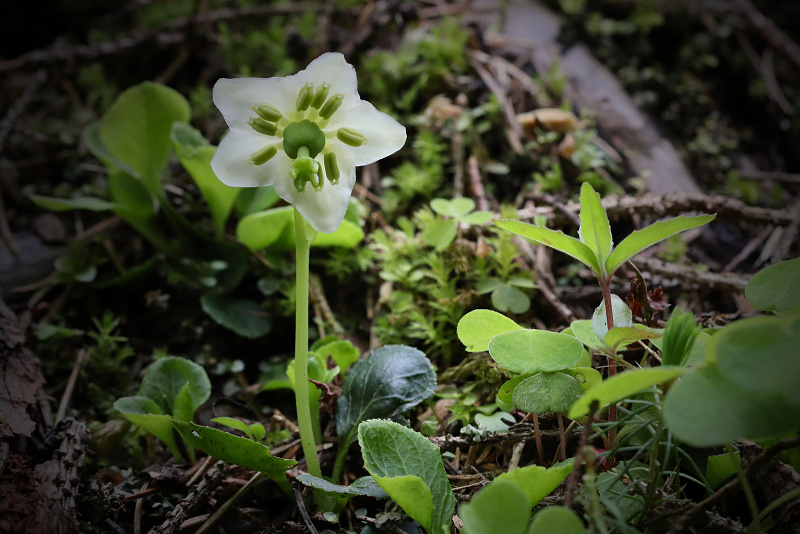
(755, 526)
(304, 418)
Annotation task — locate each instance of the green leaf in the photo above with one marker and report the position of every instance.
(584, 331)
(235, 424)
(343, 353)
(556, 519)
(547, 392)
(776, 288)
(147, 414)
(195, 154)
(166, 377)
(498, 507)
(183, 409)
(477, 218)
(594, 232)
(134, 204)
(274, 228)
(506, 392)
(477, 328)
(587, 377)
(536, 481)
(364, 486)
(439, 233)
(495, 422)
(623, 386)
(255, 199)
(704, 409)
(721, 467)
(760, 354)
(554, 239)
(531, 351)
(136, 129)
(507, 298)
(67, 204)
(457, 207)
(410, 469)
(391, 380)
(646, 237)
(234, 449)
(243, 316)
(625, 335)
(623, 317)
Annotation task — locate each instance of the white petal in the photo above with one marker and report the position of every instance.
(231, 160)
(385, 136)
(331, 68)
(236, 97)
(325, 209)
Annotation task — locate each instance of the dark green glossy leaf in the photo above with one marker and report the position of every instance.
(243, 316)
(391, 380)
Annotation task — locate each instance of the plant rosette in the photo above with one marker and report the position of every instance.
(298, 132)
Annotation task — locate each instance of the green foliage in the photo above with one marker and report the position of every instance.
(680, 334)
(420, 486)
(173, 386)
(236, 450)
(776, 288)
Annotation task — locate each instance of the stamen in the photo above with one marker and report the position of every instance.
(262, 126)
(350, 136)
(268, 112)
(330, 107)
(304, 96)
(331, 168)
(320, 95)
(261, 156)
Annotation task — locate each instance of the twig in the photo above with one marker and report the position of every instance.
(321, 306)
(518, 432)
(790, 233)
(572, 480)
(137, 510)
(215, 517)
(786, 177)
(671, 204)
(301, 507)
(83, 355)
(477, 184)
(512, 127)
(688, 274)
(693, 510)
(748, 249)
(196, 497)
(768, 31)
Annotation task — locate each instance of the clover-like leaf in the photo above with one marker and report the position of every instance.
(166, 377)
(547, 392)
(498, 507)
(477, 328)
(531, 351)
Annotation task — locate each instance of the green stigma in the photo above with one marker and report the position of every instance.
(305, 169)
(303, 134)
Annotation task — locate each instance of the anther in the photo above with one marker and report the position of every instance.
(304, 96)
(268, 112)
(350, 136)
(263, 155)
(320, 95)
(331, 168)
(262, 126)
(330, 107)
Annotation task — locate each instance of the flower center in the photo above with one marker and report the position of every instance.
(304, 133)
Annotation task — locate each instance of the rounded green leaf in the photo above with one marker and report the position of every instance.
(547, 392)
(587, 377)
(498, 507)
(243, 316)
(457, 207)
(507, 298)
(478, 327)
(584, 331)
(556, 519)
(506, 391)
(531, 351)
(439, 233)
(760, 354)
(622, 386)
(274, 228)
(704, 409)
(776, 288)
(147, 414)
(619, 336)
(623, 317)
(164, 380)
(136, 129)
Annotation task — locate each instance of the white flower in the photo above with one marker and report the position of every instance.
(309, 128)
